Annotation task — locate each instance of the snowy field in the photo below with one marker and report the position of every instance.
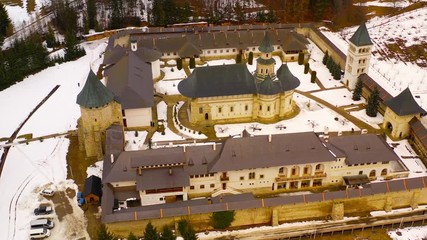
(31, 167)
(393, 74)
(373, 121)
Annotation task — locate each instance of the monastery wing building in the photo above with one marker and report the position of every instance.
(288, 161)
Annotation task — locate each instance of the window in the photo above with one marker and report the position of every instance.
(242, 178)
(212, 185)
(219, 109)
(234, 50)
(372, 173)
(231, 109)
(202, 186)
(281, 170)
(246, 107)
(294, 171)
(266, 70)
(278, 47)
(267, 55)
(200, 110)
(385, 162)
(209, 51)
(214, 51)
(260, 107)
(191, 187)
(268, 109)
(191, 176)
(360, 172)
(253, 49)
(228, 50)
(252, 175)
(384, 172)
(306, 170)
(261, 176)
(221, 51)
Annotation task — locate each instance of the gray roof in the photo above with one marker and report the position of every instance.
(94, 93)
(365, 148)
(159, 178)
(361, 36)
(266, 46)
(222, 80)
(269, 86)
(240, 39)
(371, 84)
(93, 186)
(404, 104)
(287, 79)
(284, 149)
(112, 56)
(131, 81)
(294, 42)
(189, 50)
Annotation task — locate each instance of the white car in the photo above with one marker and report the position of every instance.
(47, 192)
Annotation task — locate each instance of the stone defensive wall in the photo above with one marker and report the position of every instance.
(384, 195)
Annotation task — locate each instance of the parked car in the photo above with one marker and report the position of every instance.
(80, 199)
(36, 233)
(42, 223)
(43, 210)
(47, 192)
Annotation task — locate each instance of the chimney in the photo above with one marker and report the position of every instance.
(112, 158)
(183, 147)
(133, 45)
(269, 138)
(139, 171)
(170, 171)
(214, 146)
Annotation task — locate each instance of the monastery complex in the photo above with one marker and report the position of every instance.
(158, 184)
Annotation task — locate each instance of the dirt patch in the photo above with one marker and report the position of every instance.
(62, 204)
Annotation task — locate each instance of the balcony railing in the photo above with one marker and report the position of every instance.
(304, 177)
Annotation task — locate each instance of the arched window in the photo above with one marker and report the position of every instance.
(384, 172)
(319, 167)
(372, 173)
(281, 170)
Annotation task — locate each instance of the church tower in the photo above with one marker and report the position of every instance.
(99, 111)
(265, 63)
(358, 56)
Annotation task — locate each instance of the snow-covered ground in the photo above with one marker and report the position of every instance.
(30, 167)
(373, 121)
(393, 74)
(135, 140)
(380, 3)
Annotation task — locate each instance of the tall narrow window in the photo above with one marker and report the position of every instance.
(231, 109)
(200, 110)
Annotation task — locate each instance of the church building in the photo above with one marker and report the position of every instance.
(230, 93)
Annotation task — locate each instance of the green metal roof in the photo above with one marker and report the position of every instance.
(361, 36)
(287, 79)
(266, 46)
(266, 61)
(269, 86)
(94, 93)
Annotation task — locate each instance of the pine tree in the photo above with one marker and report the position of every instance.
(150, 232)
(329, 63)
(306, 68)
(50, 38)
(358, 90)
(167, 233)
(260, 17)
(300, 58)
(91, 14)
(239, 12)
(192, 63)
(104, 234)
(4, 22)
(72, 50)
(179, 63)
(251, 58)
(271, 17)
(373, 103)
(239, 58)
(186, 230)
(325, 58)
(313, 76)
(132, 236)
(337, 72)
(116, 14)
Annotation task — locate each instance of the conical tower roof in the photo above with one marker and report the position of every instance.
(94, 93)
(361, 36)
(404, 104)
(269, 87)
(287, 79)
(266, 46)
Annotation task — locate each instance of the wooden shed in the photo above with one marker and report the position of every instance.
(93, 190)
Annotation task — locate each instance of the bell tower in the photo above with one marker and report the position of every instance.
(358, 56)
(265, 63)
